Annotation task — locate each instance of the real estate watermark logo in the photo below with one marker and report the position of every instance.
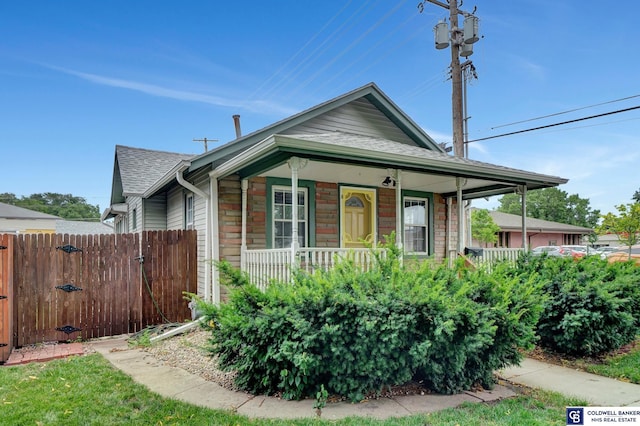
(575, 415)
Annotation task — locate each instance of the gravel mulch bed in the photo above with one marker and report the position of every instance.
(188, 351)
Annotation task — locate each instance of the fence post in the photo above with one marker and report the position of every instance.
(6, 296)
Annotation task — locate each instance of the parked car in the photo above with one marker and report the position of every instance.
(622, 255)
(575, 251)
(606, 251)
(547, 250)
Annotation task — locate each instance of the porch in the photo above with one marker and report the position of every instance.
(267, 265)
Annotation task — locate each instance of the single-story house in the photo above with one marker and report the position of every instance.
(539, 232)
(82, 227)
(359, 170)
(18, 220)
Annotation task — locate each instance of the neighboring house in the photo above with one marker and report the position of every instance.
(360, 170)
(80, 227)
(18, 220)
(539, 232)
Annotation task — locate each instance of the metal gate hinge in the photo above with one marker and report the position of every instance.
(68, 329)
(3, 247)
(68, 288)
(3, 344)
(2, 296)
(68, 248)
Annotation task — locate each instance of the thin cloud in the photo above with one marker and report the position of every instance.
(182, 95)
(531, 68)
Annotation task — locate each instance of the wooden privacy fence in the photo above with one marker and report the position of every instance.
(61, 287)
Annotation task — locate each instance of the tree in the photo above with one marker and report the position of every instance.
(554, 205)
(483, 228)
(636, 196)
(65, 206)
(626, 225)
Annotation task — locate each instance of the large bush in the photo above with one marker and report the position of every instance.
(591, 307)
(356, 332)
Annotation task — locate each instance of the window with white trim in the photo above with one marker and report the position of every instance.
(416, 219)
(283, 215)
(188, 211)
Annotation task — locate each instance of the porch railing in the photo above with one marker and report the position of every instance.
(266, 265)
(491, 256)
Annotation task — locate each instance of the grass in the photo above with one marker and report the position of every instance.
(87, 390)
(622, 366)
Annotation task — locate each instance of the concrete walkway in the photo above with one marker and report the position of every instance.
(173, 382)
(597, 390)
(177, 383)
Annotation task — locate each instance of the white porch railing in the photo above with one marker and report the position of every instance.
(266, 265)
(491, 256)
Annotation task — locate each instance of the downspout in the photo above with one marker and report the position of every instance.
(207, 245)
(215, 236)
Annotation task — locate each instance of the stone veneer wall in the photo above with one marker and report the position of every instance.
(386, 214)
(327, 217)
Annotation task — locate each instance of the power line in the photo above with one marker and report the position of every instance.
(564, 112)
(302, 49)
(556, 124)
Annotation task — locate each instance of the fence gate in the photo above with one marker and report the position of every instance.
(61, 287)
(6, 296)
(71, 287)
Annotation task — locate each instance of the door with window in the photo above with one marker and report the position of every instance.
(358, 220)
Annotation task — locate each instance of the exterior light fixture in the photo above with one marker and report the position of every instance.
(389, 181)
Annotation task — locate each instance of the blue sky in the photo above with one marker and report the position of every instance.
(79, 77)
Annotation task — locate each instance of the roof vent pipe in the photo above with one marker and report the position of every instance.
(236, 122)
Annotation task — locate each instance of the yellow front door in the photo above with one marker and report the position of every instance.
(357, 211)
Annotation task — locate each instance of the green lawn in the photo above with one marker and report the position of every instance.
(621, 366)
(87, 390)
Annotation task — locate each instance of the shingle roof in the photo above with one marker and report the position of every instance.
(8, 211)
(512, 221)
(380, 145)
(78, 227)
(140, 168)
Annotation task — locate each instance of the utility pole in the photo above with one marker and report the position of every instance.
(456, 81)
(205, 140)
(461, 45)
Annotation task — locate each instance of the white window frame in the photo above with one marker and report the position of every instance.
(305, 209)
(406, 224)
(189, 211)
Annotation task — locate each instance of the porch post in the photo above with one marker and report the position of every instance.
(399, 222)
(295, 164)
(523, 194)
(459, 183)
(243, 243)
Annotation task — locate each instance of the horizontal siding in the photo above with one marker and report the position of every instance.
(175, 208)
(134, 203)
(360, 117)
(155, 213)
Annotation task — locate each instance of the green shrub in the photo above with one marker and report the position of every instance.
(354, 332)
(591, 306)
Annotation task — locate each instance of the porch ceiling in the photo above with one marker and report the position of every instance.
(363, 160)
(373, 177)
